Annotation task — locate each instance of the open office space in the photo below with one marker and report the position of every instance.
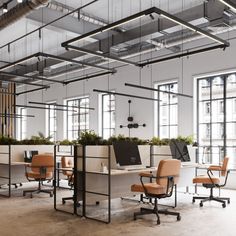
(117, 117)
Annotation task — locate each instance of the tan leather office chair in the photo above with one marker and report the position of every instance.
(67, 163)
(165, 180)
(211, 181)
(40, 169)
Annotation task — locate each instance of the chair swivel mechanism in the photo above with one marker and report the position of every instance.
(158, 187)
(211, 181)
(41, 169)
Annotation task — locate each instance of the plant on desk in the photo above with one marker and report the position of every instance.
(37, 140)
(5, 140)
(91, 138)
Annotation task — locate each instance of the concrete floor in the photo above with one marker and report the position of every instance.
(25, 216)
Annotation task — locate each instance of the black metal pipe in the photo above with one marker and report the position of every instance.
(124, 94)
(43, 108)
(157, 90)
(32, 90)
(89, 77)
(188, 53)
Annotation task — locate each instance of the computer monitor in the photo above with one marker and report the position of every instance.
(28, 155)
(179, 151)
(126, 153)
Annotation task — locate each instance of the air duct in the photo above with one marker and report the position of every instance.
(19, 11)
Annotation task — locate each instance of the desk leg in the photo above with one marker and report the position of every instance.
(175, 195)
(58, 175)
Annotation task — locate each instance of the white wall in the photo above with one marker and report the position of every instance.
(141, 110)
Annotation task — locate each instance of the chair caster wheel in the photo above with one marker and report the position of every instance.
(201, 204)
(31, 196)
(223, 205)
(193, 200)
(158, 222)
(97, 202)
(21, 184)
(178, 218)
(228, 201)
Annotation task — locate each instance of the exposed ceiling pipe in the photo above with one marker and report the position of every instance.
(19, 11)
(54, 5)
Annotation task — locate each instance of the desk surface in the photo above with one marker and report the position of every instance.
(16, 163)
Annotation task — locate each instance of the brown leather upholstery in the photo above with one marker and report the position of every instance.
(166, 177)
(67, 162)
(204, 179)
(153, 188)
(165, 168)
(44, 161)
(211, 181)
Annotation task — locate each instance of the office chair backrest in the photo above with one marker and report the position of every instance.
(224, 166)
(43, 160)
(67, 162)
(166, 168)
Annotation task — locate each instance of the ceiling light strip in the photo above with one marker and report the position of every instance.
(88, 77)
(18, 115)
(229, 4)
(74, 61)
(188, 53)
(101, 55)
(31, 91)
(110, 26)
(124, 94)
(43, 108)
(157, 90)
(18, 61)
(60, 105)
(191, 27)
(20, 81)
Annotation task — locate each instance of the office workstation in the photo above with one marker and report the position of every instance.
(117, 112)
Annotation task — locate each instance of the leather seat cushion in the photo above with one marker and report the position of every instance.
(152, 188)
(36, 175)
(204, 179)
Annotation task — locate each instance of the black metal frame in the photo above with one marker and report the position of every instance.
(83, 173)
(169, 191)
(124, 94)
(212, 185)
(9, 171)
(56, 180)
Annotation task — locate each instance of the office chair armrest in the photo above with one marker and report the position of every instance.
(146, 174)
(210, 174)
(215, 168)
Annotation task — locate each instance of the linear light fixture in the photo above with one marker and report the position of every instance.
(31, 91)
(73, 61)
(43, 78)
(18, 115)
(157, 90)
(110, 26)
(190, 26)
(42, 108)
(18, 62)
(188, 53)
(60, 105)
(143, 13)
(229, 4)
(19, 81)
(124, 94)
(101, 55)
(88, 77)
(46, 55)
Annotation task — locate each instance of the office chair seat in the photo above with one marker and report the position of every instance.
(210, 181)
(37, 176)
(204, 179)
(152, 188)
(158, 186)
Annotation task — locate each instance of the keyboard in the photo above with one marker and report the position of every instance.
(130, 168)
